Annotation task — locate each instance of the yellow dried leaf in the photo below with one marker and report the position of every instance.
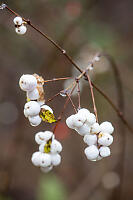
(28, 99)
(47, 116)
(47, 147)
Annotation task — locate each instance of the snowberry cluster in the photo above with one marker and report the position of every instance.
(32, 111)
(33, 85)
(48, 154)
(97, 137)
(20, 25)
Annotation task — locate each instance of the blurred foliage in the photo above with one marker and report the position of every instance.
(51, 188)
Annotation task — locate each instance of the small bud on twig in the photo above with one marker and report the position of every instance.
(3, 6)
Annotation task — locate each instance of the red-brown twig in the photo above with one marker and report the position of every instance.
(57, 79)
(72, 102)
(64, 107)
(78, 91)
(92, 95)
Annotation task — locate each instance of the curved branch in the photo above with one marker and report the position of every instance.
(119, 113)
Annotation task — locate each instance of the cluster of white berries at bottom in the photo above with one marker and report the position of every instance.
(97, 136)
(48, 154)
(20, 25)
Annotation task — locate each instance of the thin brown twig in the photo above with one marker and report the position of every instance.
(78, 91)
(57, 79)
(78, 68)
(92, 95)
(64, 107)
(72, 102)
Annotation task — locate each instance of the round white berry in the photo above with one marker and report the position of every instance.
(84, 111)
(45, 160)
(90, 139)
(42, 147)
(18, 21)
(81, 117)
(95, 128)
(33, 95)
(47, 108)
(104, 151)
(77, 121)
(46, 169)
(83, 130)
(91, 152)
(106, 127)
(105, 139)
(21, 30)
(69, 122)
(36, 158)
(43, 136)
(91, 119)
(31, 108)
(35, 120)
(56, 146)
(27, 82)
(55, 159)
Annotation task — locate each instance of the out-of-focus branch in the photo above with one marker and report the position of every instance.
(118, 192)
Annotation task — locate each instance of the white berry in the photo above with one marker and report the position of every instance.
(42, 147)
(90, 139)
(18, 21)
(83, 130)
(56, 146)
(43, 136)
(21, 30)
(45, 160)
(35, 120)
(77, 121)
(91, 119)
(33, 95)
(27, 82)
(84, 111)
(69, 122)
(55, 159)
(91, 152)
(81, 116)
(31, 108)
(106, 127)
(36, 158)
(104, 151)
(95, 128)
(105, 139)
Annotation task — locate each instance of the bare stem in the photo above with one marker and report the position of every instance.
(78, 91)
(57, 79)
(92, 95)
(64, 107)
(72, 102)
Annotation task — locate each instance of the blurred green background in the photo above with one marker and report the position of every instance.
(82, 27)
